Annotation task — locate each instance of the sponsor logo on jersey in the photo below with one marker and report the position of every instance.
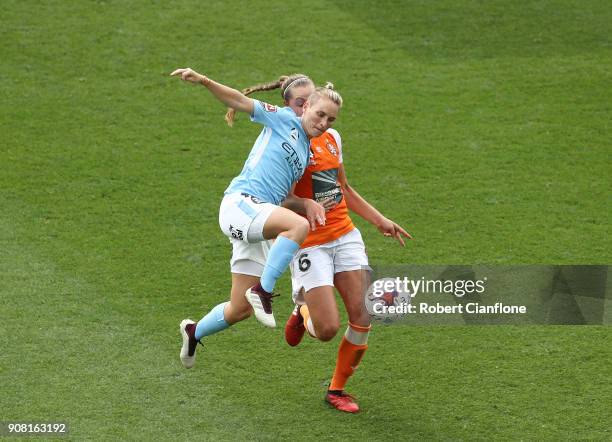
(325, 185)
(270, 107)
(293, 160)
(332, 148)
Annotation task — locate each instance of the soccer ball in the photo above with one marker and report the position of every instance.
(387, 301)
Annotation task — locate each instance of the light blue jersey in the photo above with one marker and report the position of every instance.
(278, 157)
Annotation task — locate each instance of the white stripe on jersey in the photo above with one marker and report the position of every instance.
(334, 133)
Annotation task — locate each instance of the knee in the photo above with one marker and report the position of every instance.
(300, 230)
(327, 332)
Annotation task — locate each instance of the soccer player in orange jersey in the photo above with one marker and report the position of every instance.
(333, 255)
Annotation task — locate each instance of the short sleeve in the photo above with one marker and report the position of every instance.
(334, 133)
(268, 114)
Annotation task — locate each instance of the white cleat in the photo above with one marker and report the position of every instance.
(261, 301)
(188, 348)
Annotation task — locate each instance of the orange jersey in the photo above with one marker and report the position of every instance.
(319, 182)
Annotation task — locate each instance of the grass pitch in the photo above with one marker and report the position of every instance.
(481, 127)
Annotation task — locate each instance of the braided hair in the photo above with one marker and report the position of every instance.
(284, 82)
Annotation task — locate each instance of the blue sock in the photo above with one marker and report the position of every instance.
(213, 322)
(280, 255)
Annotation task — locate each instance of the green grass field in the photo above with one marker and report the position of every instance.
(483, 127)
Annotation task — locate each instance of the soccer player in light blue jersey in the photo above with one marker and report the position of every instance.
(331, 256)
(250, 214)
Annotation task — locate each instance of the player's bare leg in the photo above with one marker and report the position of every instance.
(239, 308)
(352, 286)
(319, 316)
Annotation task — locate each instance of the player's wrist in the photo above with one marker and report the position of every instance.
(379, 221)
(309, 204)
(204, 80)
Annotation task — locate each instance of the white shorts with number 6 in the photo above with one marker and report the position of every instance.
(316, 266)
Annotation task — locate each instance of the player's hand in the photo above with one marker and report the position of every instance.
(329, 203)
(392, 229)
(315, 213)
(188, 74)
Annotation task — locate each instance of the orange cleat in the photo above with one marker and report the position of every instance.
(342, 401)
(294, 328)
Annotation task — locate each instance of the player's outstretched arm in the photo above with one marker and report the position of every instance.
(226, 95)
(361, 207)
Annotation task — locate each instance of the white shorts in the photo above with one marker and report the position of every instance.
(249, 259)
(242, 218)
(316, 266)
